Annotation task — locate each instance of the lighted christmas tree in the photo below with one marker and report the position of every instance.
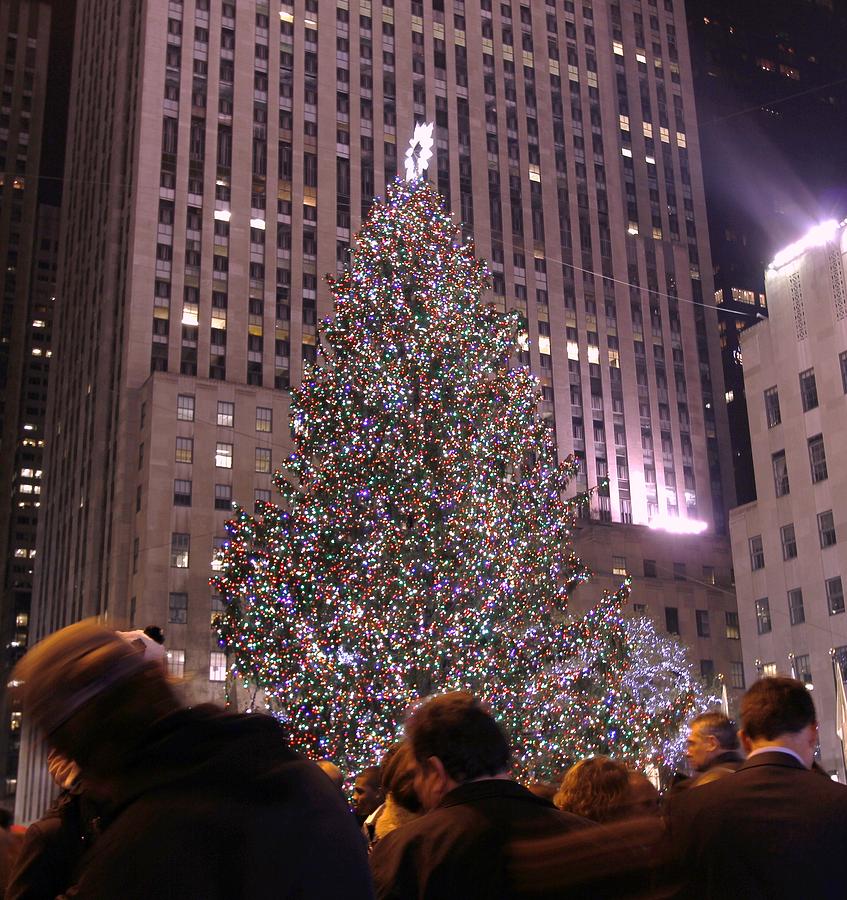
(423, 541)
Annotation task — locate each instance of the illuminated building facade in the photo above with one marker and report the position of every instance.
(790, 546)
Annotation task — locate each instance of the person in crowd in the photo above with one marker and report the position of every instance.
(53, 847)
(202, 803)
(547, 790)
(401, 803)
(774, 828)
(712, 748)
(9, 847)
(604, 790)
(460, 847)
(332, 771)
(367, 793)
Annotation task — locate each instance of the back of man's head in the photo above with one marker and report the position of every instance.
(458, 730)
(776, 706)
(719, 726)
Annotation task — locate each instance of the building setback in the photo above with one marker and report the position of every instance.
(790, 546)
(220, 159)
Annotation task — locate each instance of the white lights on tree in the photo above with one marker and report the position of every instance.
(420, 151)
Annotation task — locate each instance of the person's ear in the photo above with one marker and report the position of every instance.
(746, 743)
(435, 766)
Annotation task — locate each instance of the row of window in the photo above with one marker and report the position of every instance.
(817, 465)
(796, 609)
(184, 453)
(185, 409)
(175, 660)
(808, 392)
(223, 495)
(826, 537)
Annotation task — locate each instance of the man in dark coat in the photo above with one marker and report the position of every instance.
(461, 847)
(202, 803)
(773, 829)
(712, 748)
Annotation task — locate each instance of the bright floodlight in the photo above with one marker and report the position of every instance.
(814, 237)
(675, 525)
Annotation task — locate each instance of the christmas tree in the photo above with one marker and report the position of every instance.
(423, 542)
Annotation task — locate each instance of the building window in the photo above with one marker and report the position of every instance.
(763, 616)
(679, 571)
(226, 414)
(180, 543)
(796, 613)
(185, 407)
(672, 619)
(223, 496)
(260, 497)
(733, 632)
(803, 668)
(757, 553)
(618, 565)
(649, 568)
(217, 610)
(834, 595)
(707, 670)
(175, 661)
(182, 492)
(789, 541)
(780, 473)
(263, 459)
(769, 670)
(736, 675)
(703, 629)
(709, 574)
(841, 658)
(808, 390)
(217, 666)
(817, 458)
(184, 450)
(772, 407)
(842, 361)
(826, 529)
(177, 608)
(223, 456)
(640, 609)
(264, 419)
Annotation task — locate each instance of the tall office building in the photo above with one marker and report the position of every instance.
(28, 240)
(221, 157)
(790, 546)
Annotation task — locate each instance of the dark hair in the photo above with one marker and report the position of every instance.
(720, 727)
(462, 733)
(398, 776)
(371, 777)
(155, 634)
(596, 788)
(775, 706)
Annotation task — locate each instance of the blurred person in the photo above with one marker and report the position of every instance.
(203, 803)
(367, 793)
(643, 798)
(774, 828)
(712, 748)
(459, 848)
(331, 770)
(401, 804)
(53, 847)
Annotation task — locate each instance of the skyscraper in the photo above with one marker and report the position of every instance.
(221, 157)
(28, 243)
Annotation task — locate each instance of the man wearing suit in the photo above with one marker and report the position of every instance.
(774, 828)
(460, 847)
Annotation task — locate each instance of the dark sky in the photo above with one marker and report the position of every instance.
(56, 108)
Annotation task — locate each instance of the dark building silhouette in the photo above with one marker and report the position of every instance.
(770, 80)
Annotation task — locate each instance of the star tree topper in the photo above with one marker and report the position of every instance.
(420, 151)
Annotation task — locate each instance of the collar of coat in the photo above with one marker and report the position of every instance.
(490, 788)
(772, 758)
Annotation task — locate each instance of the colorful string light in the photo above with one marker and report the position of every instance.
(423, 542)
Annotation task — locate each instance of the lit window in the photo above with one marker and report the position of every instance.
(617, 48)
(185, 407)
(618, 565)
(180, 544)
(223, 456)
(729, 396)
(226, 414)
(175, 660)
(184, 450)
(264, 419)
(733, 631)
(769, 670)
(624, 122)
(625, 151)
(217, 666)
(763, 616)
(263, 460)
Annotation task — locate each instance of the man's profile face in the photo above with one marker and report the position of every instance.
(366, 797)
(701, 747)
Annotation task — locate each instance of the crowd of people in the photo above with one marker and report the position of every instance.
(161, 800)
